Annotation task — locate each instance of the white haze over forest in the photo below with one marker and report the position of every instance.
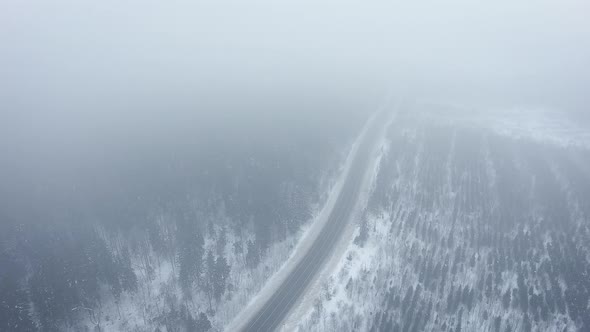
(160, 161)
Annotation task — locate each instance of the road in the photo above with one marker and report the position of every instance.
(275, 310)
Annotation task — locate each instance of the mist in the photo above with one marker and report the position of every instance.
(104, 57)
(122, 73)
(133, 118)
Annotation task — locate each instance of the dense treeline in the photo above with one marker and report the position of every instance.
(517, 221)
(53, 274)
(467, 230)
(65, 258)
(59, 273)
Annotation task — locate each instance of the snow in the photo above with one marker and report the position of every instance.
(335, 262)
(159, 292)
(530, 123)
(541, 126)
(384, 261)
(308, 237)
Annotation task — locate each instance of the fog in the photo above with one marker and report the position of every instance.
(89, 83)
(107, 57)
(378, 165)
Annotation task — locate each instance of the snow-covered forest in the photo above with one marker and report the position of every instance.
(182, 252)
(467, 228)
(310, 165)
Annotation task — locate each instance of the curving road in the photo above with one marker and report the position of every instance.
(275, 310)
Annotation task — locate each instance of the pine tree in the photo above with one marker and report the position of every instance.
(14, 307)
(210, 279)
(190, 253)
(221, 242)
(253, 255)
(203, 323)
(363, 233)
(506, 299)
(238, 249)
(221, 275)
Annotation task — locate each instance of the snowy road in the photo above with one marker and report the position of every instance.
(276, 308)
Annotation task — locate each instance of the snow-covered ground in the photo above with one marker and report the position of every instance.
(159, 290)
(411, 238)
(358, 279)
(301, 310)
(308, 237)
(536, 124)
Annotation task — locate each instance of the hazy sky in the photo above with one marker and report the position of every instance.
(123, 67)
(82, 81)
(105, 55)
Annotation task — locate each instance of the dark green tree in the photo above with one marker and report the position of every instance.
(221, 275)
